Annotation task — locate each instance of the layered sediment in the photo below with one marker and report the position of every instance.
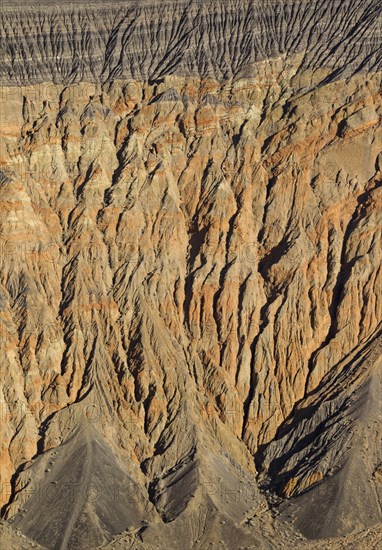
(190, 282)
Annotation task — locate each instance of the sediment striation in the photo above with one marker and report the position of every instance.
(190, 275)
(147, 40)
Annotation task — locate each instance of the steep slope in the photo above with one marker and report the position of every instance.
(148, 40)
(79, 496)
(190, 275)
(330, 451)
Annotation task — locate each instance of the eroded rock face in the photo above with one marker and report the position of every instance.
(190, 285)
(73, 41)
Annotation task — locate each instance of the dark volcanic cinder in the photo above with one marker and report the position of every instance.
(147, 40)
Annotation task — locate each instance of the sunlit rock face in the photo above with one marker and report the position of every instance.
(190, 274)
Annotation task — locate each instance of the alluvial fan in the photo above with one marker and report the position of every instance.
(191, 274)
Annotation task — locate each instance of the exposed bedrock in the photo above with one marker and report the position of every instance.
(190, 275)
(147, 40)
